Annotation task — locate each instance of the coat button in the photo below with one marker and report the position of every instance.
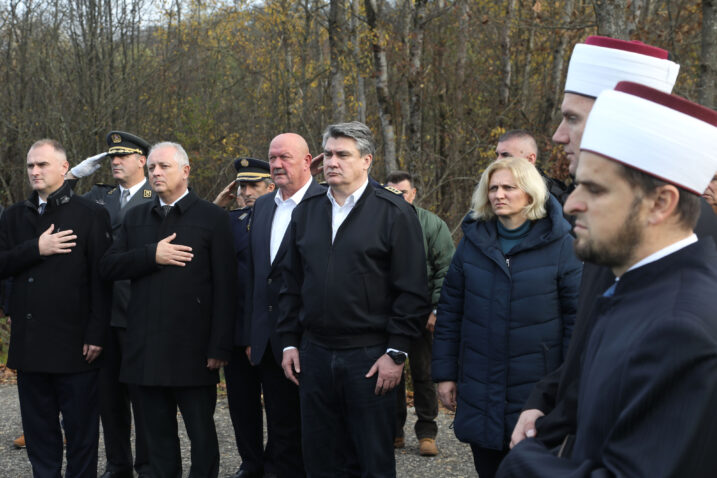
(268, 281)
(31, 280)
(270, 308)
(28, 316)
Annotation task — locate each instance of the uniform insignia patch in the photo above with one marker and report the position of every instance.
(116, 138)
(147, 193)
(393, 190)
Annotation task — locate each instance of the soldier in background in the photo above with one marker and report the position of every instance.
(127, 155)
(243, 380)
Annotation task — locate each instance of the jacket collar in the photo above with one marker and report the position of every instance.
(181, 207)
(54, 200)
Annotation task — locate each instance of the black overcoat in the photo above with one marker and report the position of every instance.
(648, 379)
(58, 302)
(178, 317)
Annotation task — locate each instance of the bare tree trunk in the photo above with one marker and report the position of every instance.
(551, 101)
(505, 48)
(614, 18)
(337, 46)
(382, 93)
(415, 80)
(525, 95)
(707, 85)
(461, 56)
(360, 81)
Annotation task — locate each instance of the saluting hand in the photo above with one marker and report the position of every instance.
(389, 374)
(227, 196)
(60, 242)
(316, 164)
(169, 254)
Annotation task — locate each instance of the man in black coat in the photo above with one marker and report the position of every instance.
(178, 253)
(127, 155)
(355, 296)
(51, 245)
(595, 65)
(289, 161)
(648, 373)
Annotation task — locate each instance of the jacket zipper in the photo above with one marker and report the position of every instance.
(507, 262)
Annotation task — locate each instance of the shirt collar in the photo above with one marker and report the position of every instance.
(162, 203)
(295, 198)
(664, 252)
(351, 200)
(134, 188)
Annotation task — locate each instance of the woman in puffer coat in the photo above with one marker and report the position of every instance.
(507, 307)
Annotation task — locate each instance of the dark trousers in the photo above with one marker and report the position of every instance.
(283, 416)
(487, 461)
(197, 406)
(244, 398)
(344, 422)
(425, 400)
(116, 412)
(43, 397)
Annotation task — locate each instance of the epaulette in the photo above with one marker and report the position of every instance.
(393, 190)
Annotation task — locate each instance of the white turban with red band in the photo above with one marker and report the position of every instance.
(663, 135)
(601, 62)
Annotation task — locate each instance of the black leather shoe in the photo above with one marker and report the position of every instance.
(118, 474)
(247, 474)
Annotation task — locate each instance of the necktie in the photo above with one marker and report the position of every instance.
(166, 209)
(124, 198)
(41, 208)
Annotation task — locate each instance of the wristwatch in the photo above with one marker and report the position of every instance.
(398, 357)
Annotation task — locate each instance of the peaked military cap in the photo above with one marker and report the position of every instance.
(122, 144)
(251, 170)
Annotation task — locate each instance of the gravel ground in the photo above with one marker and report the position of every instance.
(454, 459)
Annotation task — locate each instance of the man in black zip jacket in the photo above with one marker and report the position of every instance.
(355, 295)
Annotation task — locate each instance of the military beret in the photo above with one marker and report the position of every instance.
(122, 144)
(251, 170)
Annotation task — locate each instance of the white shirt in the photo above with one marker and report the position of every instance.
(339, 213)
(282, 217)
(132, 190)
(162, 203)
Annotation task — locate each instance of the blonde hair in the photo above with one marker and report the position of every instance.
(528, 180)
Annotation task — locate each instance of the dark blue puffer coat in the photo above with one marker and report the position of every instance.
(504, 321)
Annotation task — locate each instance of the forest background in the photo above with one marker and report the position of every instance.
(437, 81)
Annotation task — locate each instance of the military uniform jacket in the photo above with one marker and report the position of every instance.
(178, 317)
(58, 302)
(241, 223)
(648, 380)
(109, 197)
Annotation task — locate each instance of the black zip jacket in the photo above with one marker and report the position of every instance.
(367, 288)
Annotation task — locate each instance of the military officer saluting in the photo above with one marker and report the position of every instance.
(243, 381)
(127, 155)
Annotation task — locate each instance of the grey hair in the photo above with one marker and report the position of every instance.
(180, 155)
(355, 130)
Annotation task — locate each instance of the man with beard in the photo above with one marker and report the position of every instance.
(596, 65)
(648, 379)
